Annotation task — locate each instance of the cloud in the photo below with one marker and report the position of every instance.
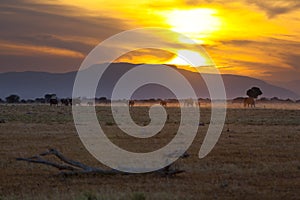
(146, 56)
(271, 8)
(275, 8)
(265, 58)
(293, 60)
(48, 63)
(36, 29)
(19, 49)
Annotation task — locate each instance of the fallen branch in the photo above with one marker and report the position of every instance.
(71, 167)
(40, 160)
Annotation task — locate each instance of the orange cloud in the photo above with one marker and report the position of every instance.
(23, 49)
(148, 56)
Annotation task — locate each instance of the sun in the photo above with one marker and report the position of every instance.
(195, 23)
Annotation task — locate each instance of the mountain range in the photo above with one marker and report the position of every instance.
(293, 85)
(30, 85)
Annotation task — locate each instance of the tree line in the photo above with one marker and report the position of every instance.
(46, 99)
(14, 98)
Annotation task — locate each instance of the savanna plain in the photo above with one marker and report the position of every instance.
(256, 157)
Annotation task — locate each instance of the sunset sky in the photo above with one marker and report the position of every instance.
(257, 38)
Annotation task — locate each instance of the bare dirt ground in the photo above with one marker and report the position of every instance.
(257, 156)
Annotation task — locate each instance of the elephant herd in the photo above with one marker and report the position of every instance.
(164, 103)
(248, 102)
(66, 102)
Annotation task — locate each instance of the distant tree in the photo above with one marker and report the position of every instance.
(263, 99)
(275, 99)
(40, 100)
(238, 100)
(49, 96)
(13, 99)
(1, 100)
(102, 99)
(23, 101)
(30, 101)
(289, 100)
(254, 92)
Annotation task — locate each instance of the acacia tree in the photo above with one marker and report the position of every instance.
(13, 99)
(254, 92)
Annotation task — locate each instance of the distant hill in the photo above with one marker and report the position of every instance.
(37, 84)
(290, 85)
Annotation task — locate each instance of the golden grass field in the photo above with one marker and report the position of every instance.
(256, 157)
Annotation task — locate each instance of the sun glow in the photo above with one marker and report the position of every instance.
(196, 23)
(185, 57)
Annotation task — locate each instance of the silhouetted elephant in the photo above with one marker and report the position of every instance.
(131, 103)
(189, 102)
(75, 101)
(53, 102)
(249, 102)
(66, 102)
(163, 103)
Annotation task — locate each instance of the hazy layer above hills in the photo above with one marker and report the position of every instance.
(37, 84)
(290, 85)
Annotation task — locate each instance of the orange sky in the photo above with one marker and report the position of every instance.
(253, 38)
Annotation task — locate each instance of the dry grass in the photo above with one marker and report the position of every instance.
(259, 158)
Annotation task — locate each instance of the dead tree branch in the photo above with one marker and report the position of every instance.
(72, 167)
